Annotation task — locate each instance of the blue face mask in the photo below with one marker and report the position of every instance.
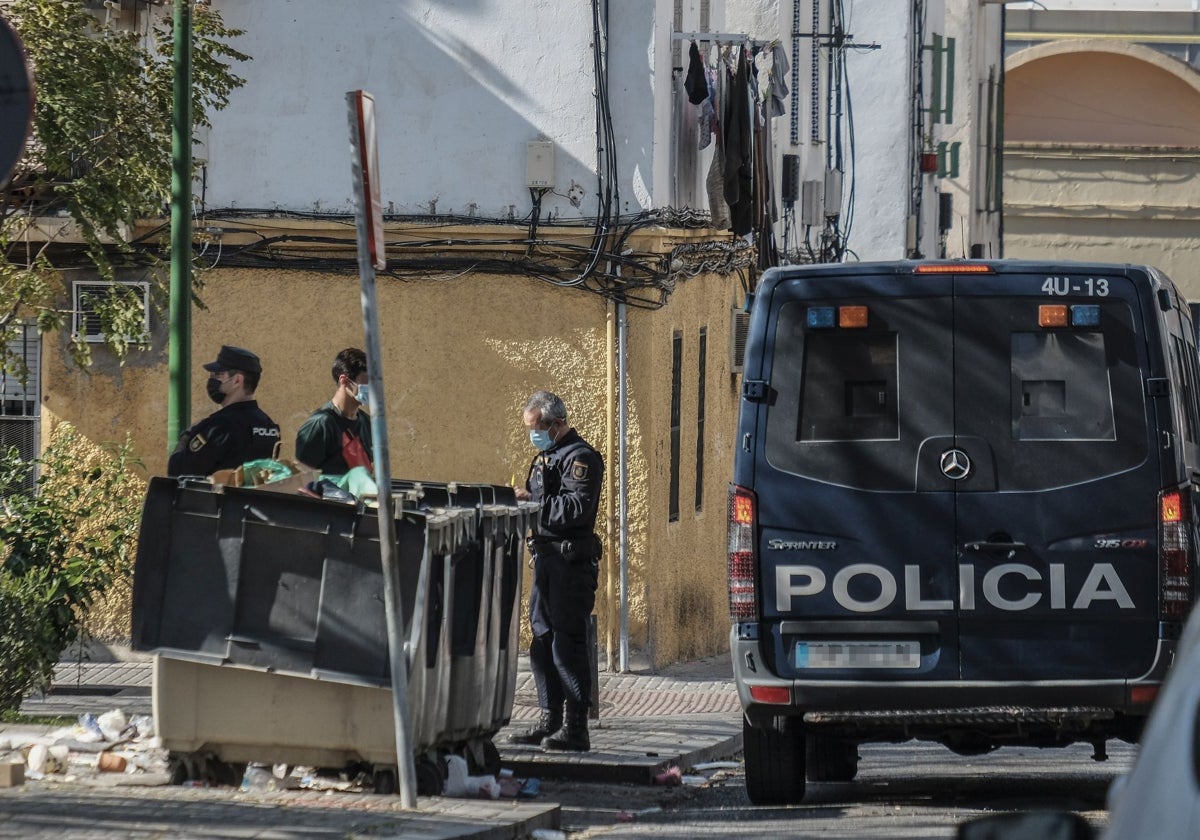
(541, 439)
(364, 396)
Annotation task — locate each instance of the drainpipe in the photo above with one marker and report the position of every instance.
(179, 353)
(610, 519)
(623, 491)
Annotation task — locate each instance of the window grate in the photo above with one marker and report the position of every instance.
(88, 294)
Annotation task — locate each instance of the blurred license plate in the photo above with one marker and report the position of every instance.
(858, 655)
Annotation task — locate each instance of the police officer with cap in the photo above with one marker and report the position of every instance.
(239, 431)
(565, 477)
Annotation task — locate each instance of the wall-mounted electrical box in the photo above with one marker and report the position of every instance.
(539, 164)
(833, 192)
(789, 186)
(812, 208)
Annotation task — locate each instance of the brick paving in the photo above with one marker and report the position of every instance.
(682, 715)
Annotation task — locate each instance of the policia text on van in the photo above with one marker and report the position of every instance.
(962, 509)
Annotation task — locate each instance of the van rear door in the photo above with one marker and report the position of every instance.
(857, 541)
(1056, 488)
(950, 483)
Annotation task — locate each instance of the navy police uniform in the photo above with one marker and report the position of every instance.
(226, 439)
(566, 480)
(230, 436)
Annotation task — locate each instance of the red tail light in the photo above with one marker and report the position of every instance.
(743, 601)
(1175, 555)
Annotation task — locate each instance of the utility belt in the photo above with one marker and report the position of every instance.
(573, 549)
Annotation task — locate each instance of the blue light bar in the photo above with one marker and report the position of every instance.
(1085, 315)
(822, 317)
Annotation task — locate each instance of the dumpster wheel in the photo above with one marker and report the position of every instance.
(383, 779)
(204, 767)
(431, 779)
(483, 758)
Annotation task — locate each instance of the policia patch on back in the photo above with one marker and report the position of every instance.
(197, 443)
(579, 471)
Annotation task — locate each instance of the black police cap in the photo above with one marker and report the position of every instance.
(235, 358)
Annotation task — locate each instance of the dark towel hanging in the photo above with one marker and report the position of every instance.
(695, 82)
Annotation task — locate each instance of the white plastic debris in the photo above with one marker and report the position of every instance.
(112, 724)
(459, 783)
(43, 759)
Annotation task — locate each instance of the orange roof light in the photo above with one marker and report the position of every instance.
(953, 268)
(852, 316)
(1052, 315)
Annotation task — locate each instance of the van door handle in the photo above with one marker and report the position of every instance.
(986, 545)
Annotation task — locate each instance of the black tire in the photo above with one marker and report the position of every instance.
(431, 778)
(228, 773)
(180, 769)
(384, 780)
(774, 765)
(831, 759)
(491, 759)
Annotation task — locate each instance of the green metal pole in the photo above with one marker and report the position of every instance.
(179, 407)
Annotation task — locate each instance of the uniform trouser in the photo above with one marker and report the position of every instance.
(560, 603)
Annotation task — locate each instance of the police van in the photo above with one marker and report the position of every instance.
(963, 509)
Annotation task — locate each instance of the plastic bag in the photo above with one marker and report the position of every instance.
(358, 482)
(265, 471)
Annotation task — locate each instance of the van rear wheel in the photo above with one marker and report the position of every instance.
(831, 759)
(774, 765)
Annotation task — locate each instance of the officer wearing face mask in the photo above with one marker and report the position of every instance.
(337, 436)
(565, 477)
(239, 431)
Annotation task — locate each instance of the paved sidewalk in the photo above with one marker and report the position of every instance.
(681, 716)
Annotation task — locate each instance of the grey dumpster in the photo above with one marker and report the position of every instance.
(267, 613)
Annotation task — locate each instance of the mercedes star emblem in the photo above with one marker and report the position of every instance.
(955, 464)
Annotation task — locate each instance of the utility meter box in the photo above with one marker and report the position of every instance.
(539, 164)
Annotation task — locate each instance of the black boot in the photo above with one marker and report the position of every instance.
(547, 724)
(574, 734)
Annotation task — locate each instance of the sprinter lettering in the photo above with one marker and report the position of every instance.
(1024, 587)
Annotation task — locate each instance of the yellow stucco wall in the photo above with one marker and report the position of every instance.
(684, 561)
(460, 358)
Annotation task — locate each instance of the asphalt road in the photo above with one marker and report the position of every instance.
(903, 792)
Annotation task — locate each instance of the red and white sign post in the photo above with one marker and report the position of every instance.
(364, 166)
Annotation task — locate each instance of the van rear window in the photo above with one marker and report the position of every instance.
(849, 387)
(1060, 387)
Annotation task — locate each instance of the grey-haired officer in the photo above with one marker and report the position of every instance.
(565, 477)
(239, 431)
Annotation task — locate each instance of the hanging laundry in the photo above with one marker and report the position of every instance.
(695, 84)
(717, 208)
(708, 110)
(777, 89)
(739, 149)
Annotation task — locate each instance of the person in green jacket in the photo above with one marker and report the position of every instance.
(337, 436)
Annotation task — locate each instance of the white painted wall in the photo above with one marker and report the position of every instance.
(979, 36)
(460, 86)
(880, 81)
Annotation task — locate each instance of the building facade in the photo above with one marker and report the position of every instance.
(1102, 134)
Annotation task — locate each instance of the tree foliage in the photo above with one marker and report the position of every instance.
(99, 158)
(63, 547)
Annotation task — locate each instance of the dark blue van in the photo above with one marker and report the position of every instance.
(963, 509)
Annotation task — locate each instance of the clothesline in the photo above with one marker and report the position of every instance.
(723, 37)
